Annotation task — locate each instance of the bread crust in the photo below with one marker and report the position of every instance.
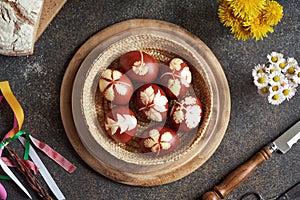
(19, 21)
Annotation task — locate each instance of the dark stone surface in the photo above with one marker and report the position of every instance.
(36, 82)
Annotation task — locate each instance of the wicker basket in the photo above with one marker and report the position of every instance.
(94, 106)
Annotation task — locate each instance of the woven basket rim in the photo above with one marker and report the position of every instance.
(104, 59)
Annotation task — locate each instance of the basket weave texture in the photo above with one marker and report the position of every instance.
(94, 105)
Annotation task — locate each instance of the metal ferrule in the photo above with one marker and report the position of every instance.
(272, 147)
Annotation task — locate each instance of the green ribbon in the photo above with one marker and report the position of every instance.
(4, 177)
(15, 137)
(27, 146)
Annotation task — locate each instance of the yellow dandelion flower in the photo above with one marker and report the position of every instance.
(239, 31)
(247, 9)
(273, 12)
(250, 18)
(258, 28)
(226, 15)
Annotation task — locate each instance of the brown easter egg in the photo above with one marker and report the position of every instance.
(121, 124)
(139, 66)
(159, 140)
(176, 78)
(186, 113)
(116, 86)
(151, 102)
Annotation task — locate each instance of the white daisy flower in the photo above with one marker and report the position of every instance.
(286, 81)
(292, 61)
(296, 77)
(281, 64)
(276, 78)
(288, 91)
(276, 98)
(261, 80)
(290, 70)
(258, 69)
(275, 88)
(274, 57)
(264, 91)
(292, 83)
(271, 68)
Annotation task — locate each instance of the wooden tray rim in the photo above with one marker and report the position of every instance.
(151, 178)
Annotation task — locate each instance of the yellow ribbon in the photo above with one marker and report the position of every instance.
(15, 106)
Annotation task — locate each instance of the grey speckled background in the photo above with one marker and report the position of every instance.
(36, 81)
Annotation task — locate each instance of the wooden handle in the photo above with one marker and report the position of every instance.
(238, 176)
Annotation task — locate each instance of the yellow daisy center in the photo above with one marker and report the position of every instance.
(264, 90)
(272, 70)
(275, 97)
(274, 59)
(291, 70)
(276, 78)
(260, 71)
(299, 74)
(261, 80)
(275, 88)
(286, 92)
(281, 65)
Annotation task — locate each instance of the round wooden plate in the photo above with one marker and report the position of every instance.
(109, 165)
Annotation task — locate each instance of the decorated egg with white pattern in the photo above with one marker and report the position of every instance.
(159, 140)
(139, 66)
(121, 124)
(186, 113)
(116, 86)
(176, 77)
(151, 102)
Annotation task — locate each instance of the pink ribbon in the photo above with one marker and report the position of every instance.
(51, 153)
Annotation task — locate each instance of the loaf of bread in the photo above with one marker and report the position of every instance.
(19, 21)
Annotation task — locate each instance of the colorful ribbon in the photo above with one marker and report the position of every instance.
(16, 133)
(15, 106)
(51, 153)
